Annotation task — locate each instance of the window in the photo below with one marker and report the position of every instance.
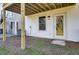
(11, 26)
(1, 21)
(1, 18)
(42, 23)
(1, 31)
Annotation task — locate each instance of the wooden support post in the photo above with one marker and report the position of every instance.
(23, 39)
(4, 27)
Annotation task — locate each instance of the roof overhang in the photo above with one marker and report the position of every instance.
(33, 8)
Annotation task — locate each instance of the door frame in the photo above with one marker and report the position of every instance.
(64, 28)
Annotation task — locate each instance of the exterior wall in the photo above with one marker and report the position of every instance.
(34, 30)
(71, 23)
(13, 17)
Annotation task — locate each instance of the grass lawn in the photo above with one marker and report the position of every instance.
(28, 51)
(59, 50)
(38, 46)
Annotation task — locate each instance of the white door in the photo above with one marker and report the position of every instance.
(60, 26)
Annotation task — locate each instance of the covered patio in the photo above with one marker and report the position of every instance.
(26, 9)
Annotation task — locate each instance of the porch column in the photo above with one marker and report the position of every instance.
(4, 27)
(23, 44)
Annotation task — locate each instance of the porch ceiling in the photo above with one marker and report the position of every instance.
(33, 8)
